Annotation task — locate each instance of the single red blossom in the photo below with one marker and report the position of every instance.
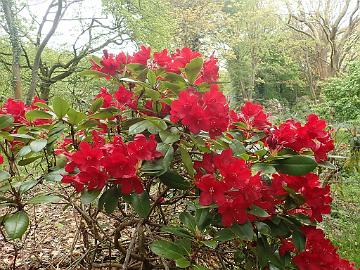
(252, 115)
(212, 190)
(93, 178)
(162, 58)
(119, 164)
(110, 64)
(16, 108)
(106, 96)
(144, 149)
(87, 156)
(1, 159)
(129, 185)
(286, 246)
(142, 56)
(125, 97)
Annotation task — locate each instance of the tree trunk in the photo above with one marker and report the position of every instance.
(45, 90)
(15, 46)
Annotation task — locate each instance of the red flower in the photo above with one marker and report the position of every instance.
(162, 58)
(209, 72)
(87, 156)
(197, 111)
(1, 159)
(212, 190)
(129, 185)
(142, 56)
(125, 97)
(16, 108)
(286, 246)
(106, 96)
(252, 115)
(319, 253)
(144, 149)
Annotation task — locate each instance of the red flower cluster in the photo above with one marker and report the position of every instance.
(227, 181)
(17, 109)
(111, 64)
(319, 253)
(207, 111)
(297, 137)
(317, 199)
(95, 164)
(252, 115)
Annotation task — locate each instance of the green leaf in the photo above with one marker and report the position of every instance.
(151, 76)
(27, 161)
(138, 127)
(22, 136)
(75, 117)
(186, 158)
(298, 240)
(38, 145)
(141, 203)
(37, 114)
(173, 180)
(6, 121)
(47, 198)
(27, 185)
(243, 231)
(225, 235)
(24, 151)
(182, 263)
(202, 218)
(96, 105)
(60, 106)
(295, 165)
(16, 224)
(265, 168)
(258, 211)
(263, 228)
(169, 137)
(88, 196)
(193, 68)
(167, 249)
(237, 147)
(188, 220)
(103, 114)
(92, 73)
(109, 200)
(156, 125)
(211, 243)
(4, 175)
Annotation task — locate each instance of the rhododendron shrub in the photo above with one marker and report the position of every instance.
(205, 186)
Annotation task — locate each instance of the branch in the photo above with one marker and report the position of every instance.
(34, 75)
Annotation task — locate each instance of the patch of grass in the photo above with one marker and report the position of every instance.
(343, 225)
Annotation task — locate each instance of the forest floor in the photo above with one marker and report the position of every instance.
(54, 240)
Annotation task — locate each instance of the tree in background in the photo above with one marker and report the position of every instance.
(334, 28)
(96, 33)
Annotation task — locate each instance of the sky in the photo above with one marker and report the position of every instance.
(68, 29)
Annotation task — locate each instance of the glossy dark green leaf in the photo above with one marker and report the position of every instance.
(88, 196)
(141, 203)
(167, 249)
(295, 165)
(16, 224)
(298, 240)
(258, 211)
(178, 231)
(46, 198)
(27, 161)
(173, 180)
(109, 200)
